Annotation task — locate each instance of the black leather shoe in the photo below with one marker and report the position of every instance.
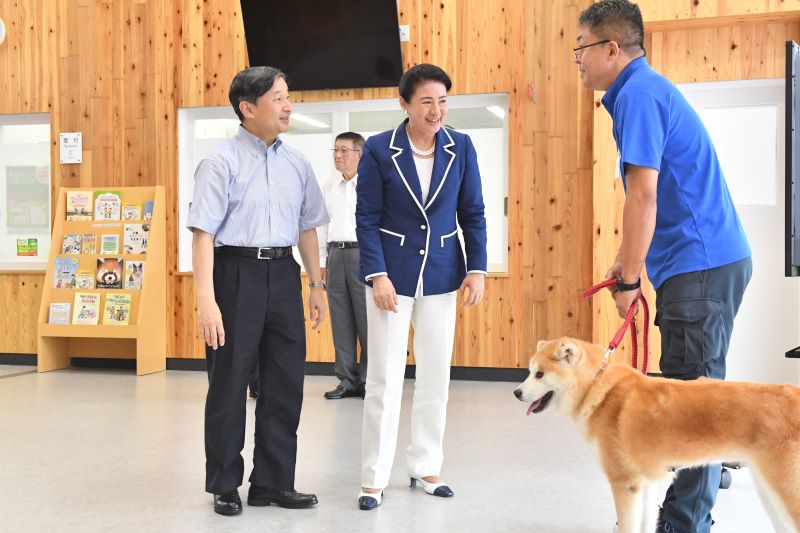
(228, 504)
(291, 499)
(341, 392)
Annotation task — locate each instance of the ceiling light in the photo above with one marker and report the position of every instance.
(497, 111)
(310, 121)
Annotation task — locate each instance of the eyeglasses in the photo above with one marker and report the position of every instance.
(579, 50)
(344, 151)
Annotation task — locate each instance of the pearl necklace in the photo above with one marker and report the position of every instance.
(421, 153)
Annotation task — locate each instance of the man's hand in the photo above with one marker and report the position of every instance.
(383, 294)
(475, 283)
(624, 299)
(209, 319)
(317, 306)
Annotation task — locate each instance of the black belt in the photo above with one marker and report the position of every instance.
(342, 244)
(257, 253)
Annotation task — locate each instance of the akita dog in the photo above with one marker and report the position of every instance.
(644, 427)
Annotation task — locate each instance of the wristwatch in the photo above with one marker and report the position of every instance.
(621, 286)
(318, 284)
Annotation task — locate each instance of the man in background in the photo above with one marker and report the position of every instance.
(339, 252)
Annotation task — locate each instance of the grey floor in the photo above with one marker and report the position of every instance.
(102, 450)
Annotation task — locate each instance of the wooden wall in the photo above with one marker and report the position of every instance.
(118, 70)
(700, 41)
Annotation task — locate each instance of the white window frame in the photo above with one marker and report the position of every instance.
(39, 262)
(340, 111)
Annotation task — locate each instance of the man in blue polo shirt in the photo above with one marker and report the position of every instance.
(678, 218)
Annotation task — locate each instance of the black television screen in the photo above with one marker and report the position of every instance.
(792, 195)
(330, 44)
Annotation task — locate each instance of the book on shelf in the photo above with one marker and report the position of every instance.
(79, 205)
(134, 239)
(86, 309)
(85, 278)
(109, 243)
(117, 309)
(131, 211)
(64, 272)
(71, 245)
(107, 205)
(89, 243)
(109, 273)
(59, 313)
(148, 210)
(134, 274)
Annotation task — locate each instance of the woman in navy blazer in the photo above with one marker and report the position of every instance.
(418, 183)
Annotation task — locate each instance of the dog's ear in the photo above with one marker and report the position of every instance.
(569, 352)
(539, 345)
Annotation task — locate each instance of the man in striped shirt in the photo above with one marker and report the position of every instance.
(254, 199)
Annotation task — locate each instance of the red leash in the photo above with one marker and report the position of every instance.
(621, 331)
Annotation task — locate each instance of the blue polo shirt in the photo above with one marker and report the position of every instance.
(697, 227)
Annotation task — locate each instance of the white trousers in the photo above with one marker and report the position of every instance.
(434, 320)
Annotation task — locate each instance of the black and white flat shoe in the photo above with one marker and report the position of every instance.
(368, 501)
(436, 489)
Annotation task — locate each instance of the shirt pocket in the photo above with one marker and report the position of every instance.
(693, 330)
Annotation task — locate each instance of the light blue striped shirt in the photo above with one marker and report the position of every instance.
(249, 194)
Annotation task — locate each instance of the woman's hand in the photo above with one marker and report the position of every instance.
(475, 283)
(383, 294)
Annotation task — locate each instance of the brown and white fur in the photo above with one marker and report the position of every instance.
(643, 427)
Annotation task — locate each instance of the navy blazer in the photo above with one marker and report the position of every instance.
(414, 243)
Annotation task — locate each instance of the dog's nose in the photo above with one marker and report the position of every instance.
(518, 393)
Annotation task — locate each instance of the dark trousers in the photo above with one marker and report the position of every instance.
(262, 313)
(695, 313)
(348, 305)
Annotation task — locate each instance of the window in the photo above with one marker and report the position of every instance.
(24, 191)
(314, 127)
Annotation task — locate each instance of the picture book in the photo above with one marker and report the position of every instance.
(86, 309)
(79, 205)
(59, 313)
(117, 309)
(107, 205)
(135, 238)
(109, 243)
(148, 210)
(131, 211)
(109, 273)
(85, 278)
(72, 244)
(64, 273)
(134, 274)
(89, 244)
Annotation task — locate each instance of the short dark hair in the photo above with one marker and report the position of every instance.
(419, 74)
(251, 83)
(358, 140)
(616, 20)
